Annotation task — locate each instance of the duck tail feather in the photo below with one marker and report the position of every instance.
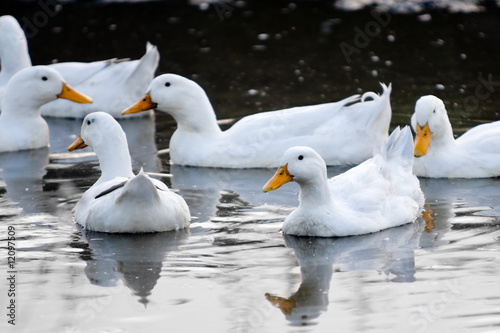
(146, 67)
(398, 148)
(115, 61)
(377, 107)
(382, 111)
(348, 101)
(139, 188)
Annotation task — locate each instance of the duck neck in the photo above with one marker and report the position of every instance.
(197, 116)
(15, 105)
(315, 280)
(444, 137)
(114, 159)
(315, 191)
(15, 57)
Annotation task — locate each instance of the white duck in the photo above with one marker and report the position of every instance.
(113, 83)
(21, 124)
(121, 202)
(475, 154)
(380, 193)
(341, 134)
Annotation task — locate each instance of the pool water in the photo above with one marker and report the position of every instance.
(233, 270)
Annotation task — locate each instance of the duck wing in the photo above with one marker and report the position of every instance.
(124, 73)
(481, 139)
(75, 73)
(344, 132)
(103, 191)
(112, 88)
(289, 122)
(387, 174)
(363, 187)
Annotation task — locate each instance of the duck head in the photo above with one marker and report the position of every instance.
(108, 140)
(96, 127)
(430, 122)
(300, 164)
(37, 85)
(170, 93)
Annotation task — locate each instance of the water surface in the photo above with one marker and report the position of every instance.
(233, 271)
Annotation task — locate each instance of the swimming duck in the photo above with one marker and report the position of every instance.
(113, 83)
(380, 193)
(21, 124)
(341, 133)
(119, 201)
(475, 154)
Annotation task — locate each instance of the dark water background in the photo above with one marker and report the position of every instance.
(290, 53)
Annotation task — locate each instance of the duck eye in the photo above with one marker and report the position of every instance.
(44, 78)
(301, 157)
(167, 84)
(88, 122)
(434, 111)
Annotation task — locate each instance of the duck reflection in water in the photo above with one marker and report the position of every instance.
(22, 172)
(455, 203)
(135, 259)
(389, 251)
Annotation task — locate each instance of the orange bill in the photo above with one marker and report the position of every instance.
(429, 219)
(71, 94)
(77, 144)
(281, 177)
(285, 305)
(422, 140)
(146, 103)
